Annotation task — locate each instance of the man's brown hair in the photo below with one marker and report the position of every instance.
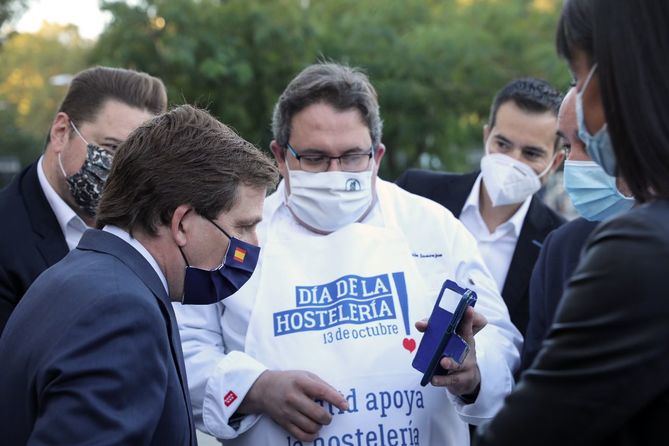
(337, 85)
(184, 156)
(90, 89)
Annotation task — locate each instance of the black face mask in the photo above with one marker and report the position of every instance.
(86, 184)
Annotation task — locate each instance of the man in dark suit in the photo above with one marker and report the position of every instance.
(595, 199)
(497, 205)
(92, 353)
(51, 203)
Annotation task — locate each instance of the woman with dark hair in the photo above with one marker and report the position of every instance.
(602, 376)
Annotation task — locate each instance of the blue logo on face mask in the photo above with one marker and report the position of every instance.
(348, 300)
(353, 185)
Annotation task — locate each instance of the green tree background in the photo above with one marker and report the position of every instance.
(436, 64)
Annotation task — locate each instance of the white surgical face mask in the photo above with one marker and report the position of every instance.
(507, 180)
(327, 201)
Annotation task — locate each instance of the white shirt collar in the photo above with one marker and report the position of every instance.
(516, 221)
(126, 237)
(70, 223)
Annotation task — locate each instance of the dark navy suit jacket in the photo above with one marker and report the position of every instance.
(452, 190)
(92, 355)
(31, 238)
(557, 261)
(601, 377)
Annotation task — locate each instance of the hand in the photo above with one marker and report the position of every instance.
(462, 380)
(288, 398)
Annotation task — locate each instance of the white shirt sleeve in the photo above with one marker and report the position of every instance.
(497, 344)
(218, 379)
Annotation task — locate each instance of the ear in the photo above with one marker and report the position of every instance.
(59, 133)
(182, 223)
(280, 156)
(558, 161)
(378, 154)
(379, 151)
(486, 134)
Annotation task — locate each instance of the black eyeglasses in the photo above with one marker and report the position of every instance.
(350, 162)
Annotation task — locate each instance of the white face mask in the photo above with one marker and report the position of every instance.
(327, 201)
(509, 181)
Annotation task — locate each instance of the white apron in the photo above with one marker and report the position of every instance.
(346, 312)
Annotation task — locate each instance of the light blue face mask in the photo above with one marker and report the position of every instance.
(598, 146)
(594, 193)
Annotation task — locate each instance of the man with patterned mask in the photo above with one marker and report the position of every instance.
(53, 200)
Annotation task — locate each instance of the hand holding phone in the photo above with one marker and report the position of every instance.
(440, 338)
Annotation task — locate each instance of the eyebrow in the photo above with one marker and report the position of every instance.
(249, 221)
(503, 139)
(312, 151)
(508, 141)
(536, 148)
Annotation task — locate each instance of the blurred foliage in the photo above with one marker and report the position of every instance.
(436, 64)
(15, 141)
(29, 91)
(10, 10)
(233, 57)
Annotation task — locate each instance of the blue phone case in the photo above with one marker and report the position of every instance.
(440, 338)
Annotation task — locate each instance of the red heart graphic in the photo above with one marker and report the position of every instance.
(409, 344)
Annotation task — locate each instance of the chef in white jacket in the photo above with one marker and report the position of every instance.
(316, 348)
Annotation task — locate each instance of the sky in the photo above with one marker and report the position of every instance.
(85, 14)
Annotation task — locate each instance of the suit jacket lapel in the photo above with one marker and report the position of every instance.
(52, 244)
(108, 243)
(456, 190)
(177, 355)
(525, 255)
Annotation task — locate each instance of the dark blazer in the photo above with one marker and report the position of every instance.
(452, 190)
(31, 238)
(602, 375)
(92, 355)
(557, 260)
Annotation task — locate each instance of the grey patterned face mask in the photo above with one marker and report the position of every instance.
(86, 184)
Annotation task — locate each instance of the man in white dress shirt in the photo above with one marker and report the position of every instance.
(52, 202)
(497, 204)
(318, 345)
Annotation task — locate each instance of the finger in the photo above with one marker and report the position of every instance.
(298, 433)
(460, 382)
(318, 389)
(465, 329)
(421, 325)
(449, 364)
(453, 381)
(304, 423)
(479, 322)
(310, 409)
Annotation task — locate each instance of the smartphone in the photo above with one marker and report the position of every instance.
(440, 338)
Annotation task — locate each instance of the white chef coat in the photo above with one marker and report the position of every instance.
(214, 336)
